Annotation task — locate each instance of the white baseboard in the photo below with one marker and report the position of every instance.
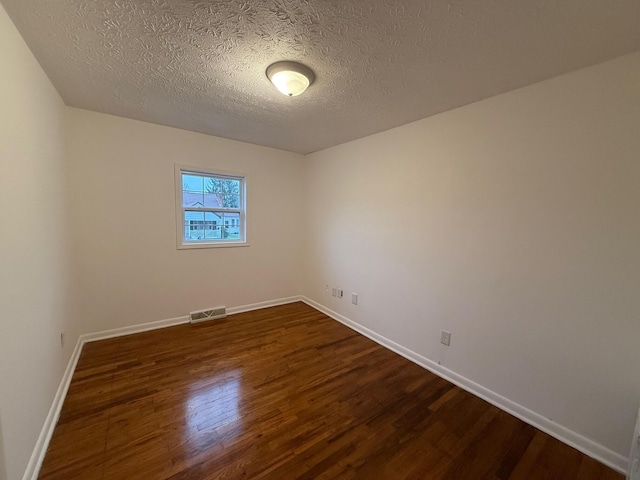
(588, 447)
(35, 462)
(129, 330)
(170, 322)
(259, 305)
(40, 449)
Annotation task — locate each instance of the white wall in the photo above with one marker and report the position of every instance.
(130, 268)
(515, 224)
(35, 294)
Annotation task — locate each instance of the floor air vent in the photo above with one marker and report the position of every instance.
(208, 314)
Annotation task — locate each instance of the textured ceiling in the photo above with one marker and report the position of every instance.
(379, 63)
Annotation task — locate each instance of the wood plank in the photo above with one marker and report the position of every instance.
(280, 393)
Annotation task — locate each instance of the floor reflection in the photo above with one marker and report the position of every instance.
(212, 404)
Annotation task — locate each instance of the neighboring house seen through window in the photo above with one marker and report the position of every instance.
(210, 208)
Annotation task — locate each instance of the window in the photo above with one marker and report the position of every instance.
(210, 208)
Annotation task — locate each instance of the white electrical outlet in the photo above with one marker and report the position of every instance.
(340, 293)
(354, 298)
(445, 338)
(334, 292)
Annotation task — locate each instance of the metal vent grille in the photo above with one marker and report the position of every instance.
(208, 314)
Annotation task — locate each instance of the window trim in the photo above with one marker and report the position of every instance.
(181, 244)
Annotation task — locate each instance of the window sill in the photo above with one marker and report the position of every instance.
(191, 246)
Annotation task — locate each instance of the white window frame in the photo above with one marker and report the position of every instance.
(181, 243)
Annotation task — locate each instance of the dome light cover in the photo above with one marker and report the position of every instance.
(290, 78)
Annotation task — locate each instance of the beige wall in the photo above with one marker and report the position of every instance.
(123, 210)
(515, 224)
(34, 258)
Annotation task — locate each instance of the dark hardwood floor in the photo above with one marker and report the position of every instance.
(285, 393)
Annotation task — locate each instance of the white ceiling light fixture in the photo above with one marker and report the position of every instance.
(291, 78)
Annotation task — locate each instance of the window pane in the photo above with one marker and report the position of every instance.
(211, 200)
(215, 192)
(200, 225)
(212, 226)
(194, 225)
(193, 200)
(192, 183)
(210, 192)
(192, 190)
(225, 190)
(231, 226)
